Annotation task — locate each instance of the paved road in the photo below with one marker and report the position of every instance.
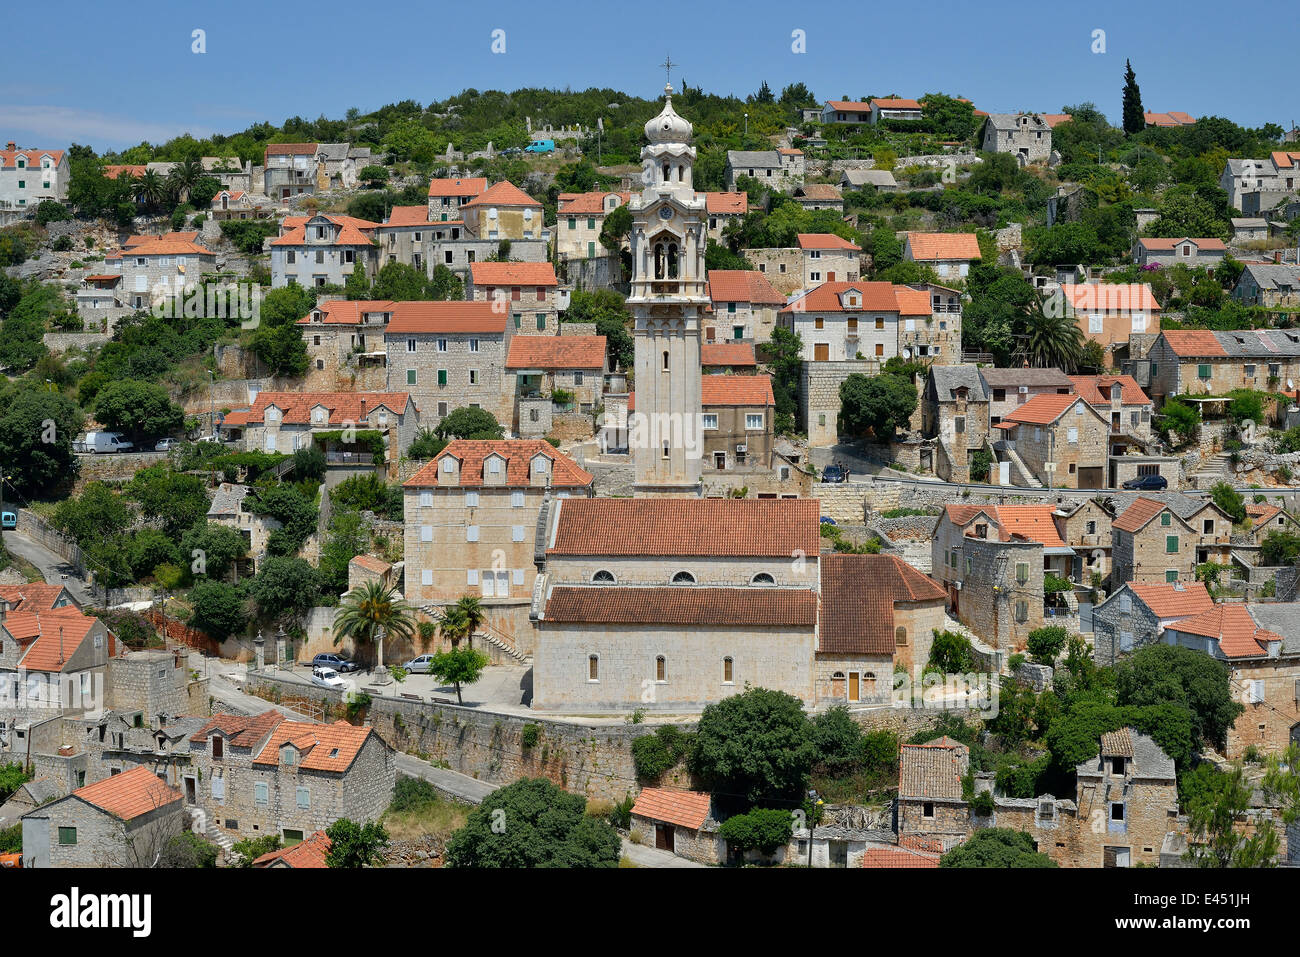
(53, 567)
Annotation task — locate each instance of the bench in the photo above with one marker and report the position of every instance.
(411, 697)
(442, 701)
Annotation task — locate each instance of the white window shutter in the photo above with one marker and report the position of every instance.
(426, 498)
(517, 533)
(426, 576)
(426, 533)
(471, 533)
(518, 576)
(471, 576)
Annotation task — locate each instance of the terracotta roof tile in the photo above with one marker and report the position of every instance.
(408, 216)
(587, 204)
(933, 769)
(140, 239)
(1258, 514)
(324, 747)
(1193, 343)
(1093, 389)
(898, 857)
(895, 103)
(130, 794)
(753, 606)
(419, 317)
(722, 204)
(826, 241)
(291, 149)
(822, 192)
(876, 297)
(848, 106)
(296, 407)
(932, 247)
(502, 194)
(688, 527)
(1162, 244)
(734, 390)
(1173, 600)
(1117, 743)
(36, 596)
(1231, 624)
(734, 354)
(470, 186)
(858, 594)
(1054, 120)
(688, 809)
(1135, 517)
(1032, 522)
(310, 853)
(243, 731)
(114, 170)
(1110, 296)
(54, 636)
(1042, 409)
(372, 564)
(742, 285)
(513, 274)
(518, 454)
(556, 352)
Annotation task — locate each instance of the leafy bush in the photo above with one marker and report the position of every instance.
(951, 653)
(762, 829)
(1046, 643)
(996, 847)
(653, 754)
(1230, 501)
(530, 735)
(412, 794)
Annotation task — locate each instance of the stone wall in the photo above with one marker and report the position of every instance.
(60, 342)
(819, 397)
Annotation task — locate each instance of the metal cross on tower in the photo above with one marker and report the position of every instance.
(668, 65)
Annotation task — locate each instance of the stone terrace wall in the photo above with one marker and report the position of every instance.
(60, 342)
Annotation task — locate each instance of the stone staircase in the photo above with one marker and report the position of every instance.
(1026, 476)
(213, 833)
(1212, 469)
(502, 643)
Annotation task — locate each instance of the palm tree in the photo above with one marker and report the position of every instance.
(369, 613)
(461, 620)
(184, 177)
(1051, 340)
(150, 189)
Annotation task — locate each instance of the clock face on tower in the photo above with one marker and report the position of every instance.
(665, 212)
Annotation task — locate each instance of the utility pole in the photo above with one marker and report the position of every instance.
(212, 416)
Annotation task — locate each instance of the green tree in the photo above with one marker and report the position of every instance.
(758, 744)
(459, 666)
(1047, 643)
(426, 444)
(218, 609)
(355, 845)
(1190, 679)
(286, 305)
(140, 409)
(36, 433)
(783, 355)
(761, 829)
(469, 423)
(369, 614)
(285, 588)
(880, 403)
(838, 740)
(1279, 548)
(532, 823)
(1180, 419)
(1052, 338)
(296, 515)
(1220, 804)
(1134, 115)
(951, 653)
(1229, 500)
(373, 176)
(178, 499)
(445, 286)
(251, 848)
(606, 309)
(215, 548)
(616, 228)
(282, 348)
(400, 282)
(996, 847)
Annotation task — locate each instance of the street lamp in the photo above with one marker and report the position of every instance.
(746, 124)
(212, 417)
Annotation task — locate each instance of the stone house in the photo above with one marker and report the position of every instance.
(673, 604)
(745, 306)
(404, 237)
(345, 343)
(1263, 519)
(323, 250)
(34, 597)
(1108, 313)
(1196, 362)
(930, 801)
(260, 775)
(1137, 613)
(338, 165)
(528, 292)
(1248, 229)
(728, 358)
(1151, 542)
(52, 661)
(234, 176)
(363, 569)
(828, 258)
(122, 821)
(841, 321)
(227, 509)
(782, 266)
(1026, 136)
(1085, 527)
(449, 355)
(1120, 399)
(724, 208)
(447, 196)
(894, 108)
(288, 421)
(568, 370)
(949, 254)
(678, 821)
(846, 111)
(819, 196)
(289, 170)
(158, 268)
(231, 204)
(881, 179)
(781, 170)
(991, 559)
(28, 177)
(739, 413)
(1268, 284)
(955, 412)
(579, 219)
(475, 518)
(1009, 389)
(312, 852)
(1058, 440)
(929, 325)
(1242, 176)
(504, 211)
(1148, 250)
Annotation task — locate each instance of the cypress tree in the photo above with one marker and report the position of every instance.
(1134, 120)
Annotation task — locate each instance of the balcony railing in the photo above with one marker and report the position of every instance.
(350, 458)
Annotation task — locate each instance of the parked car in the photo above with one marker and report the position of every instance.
(420, 665)
(8, 520)
(1147, 483)
(166, 445)
(98, 443)
(834, 473)
(328, 678)
(338, 662)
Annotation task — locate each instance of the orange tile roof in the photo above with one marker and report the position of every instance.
(848, 106)
(736, 390)
(587, 204)
(291, 149)
(858, 594)
(139, 239)
(683, 605)
(1043, 409)
(1136, 516)
(1055, 119)
(370, 563)
(1091, 387)
(35, 596)
(821, 192)
(243, 731)
(933, 769)
(114, 170)
(236, 417)
(933, 247)
(1154, 242)
(325, 747)
(790, 151)
(1193, 343)
(1175, 600)
(895, 103)
(1110, 296)
(1258, 514)
(54, 636)
(898, 857)
(876, 297)
(310, 853)
(826, 241)
(722, 204)
(741, 528)
(689, 809)
(1172, 118)
(912, 302)
(447, 317)
(518, 453)
(512, 274)
(732, 354)
(556, 352)
(469, 186)
(295, 407)
(110, 278)
(408, 216)
(1033, 522)
(130, 794)
(742, 285)
(1231, 624)
(352, 231)
(503, 193)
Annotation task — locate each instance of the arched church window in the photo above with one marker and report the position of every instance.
(683, 578)
(661, 265)
(763, 578)
(672, 261)
(665, 360)
(603, 577)
(666, 174)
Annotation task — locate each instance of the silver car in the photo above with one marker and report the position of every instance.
(165, 445)
(420, 665)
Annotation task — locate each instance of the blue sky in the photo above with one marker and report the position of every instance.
(113, 75)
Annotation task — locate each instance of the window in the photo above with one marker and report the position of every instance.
(1072, 435)
(471, 499)
(517, 499)
(471, 533)
(1117, 766)
(927, 809)
(900, 636)
(603, 577)
(1171, 544)
(442, 345)
(426, 533)
(754, 422)
(473, 345)
(683, 578)
(1171, 576)
(516, 533)
(410, 377)
(67, 836)
(473, 377)
(661, 668)
(442, 377)
(1117, 811)
(710, 420)
(593, 667)
(541, 322)
(1022, 572)
(762, 578)
(1022, 611)
(1203, 370)
(261, 793)
(304, 798)
(426, 576)
(1165, 520)
(728, 671)
(1207, 526)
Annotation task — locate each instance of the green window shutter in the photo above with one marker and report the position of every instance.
(541, 321)
(573, 222)
(1171, 576)
(1171, 544)
(591, 222)
(22, 184)
(731, 307)
(67, 836)
(591, 250)
(442, 377)
(519, 321)
(1164, 519)
(410, 377)
(1203, 371)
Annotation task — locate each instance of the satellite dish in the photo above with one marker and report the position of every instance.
(1290, 384)
(907, 353)
(1207, 387)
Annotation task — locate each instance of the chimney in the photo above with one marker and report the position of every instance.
(11, 146)
(1116, 396)
(61, 658)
